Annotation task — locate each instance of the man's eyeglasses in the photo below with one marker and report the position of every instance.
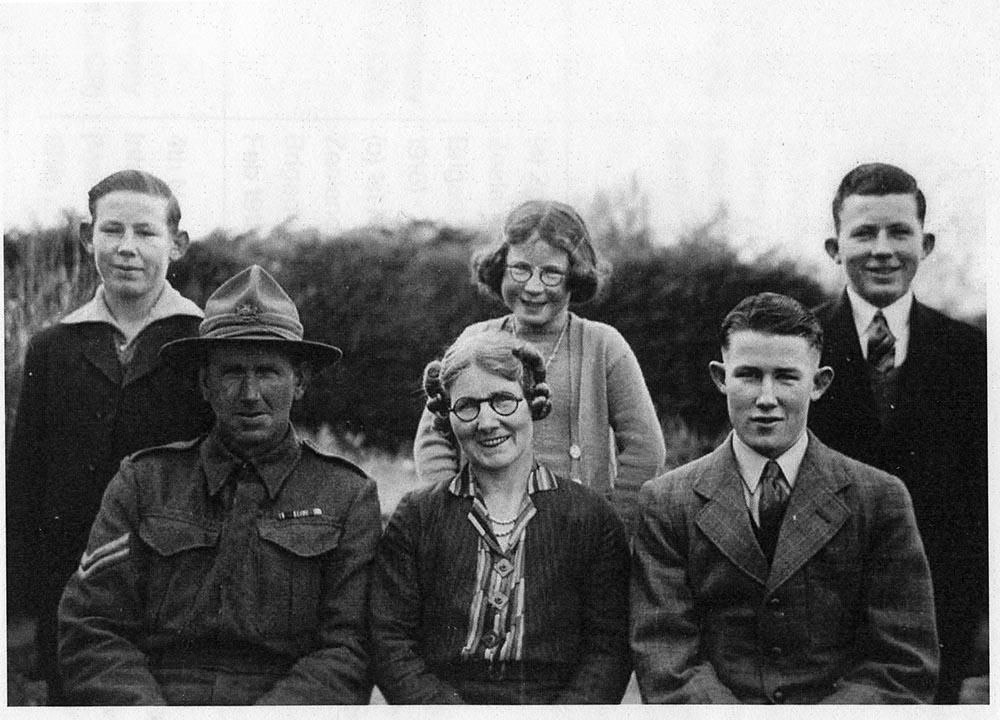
(503, 403)
(522, 272)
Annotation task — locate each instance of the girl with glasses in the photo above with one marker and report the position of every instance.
(504, 583)
(603, 430)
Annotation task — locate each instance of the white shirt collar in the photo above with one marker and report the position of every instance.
(897, 315)
(169, 303)
(751, 463)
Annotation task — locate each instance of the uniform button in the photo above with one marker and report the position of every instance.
(490, 639)
(779, 697)
(776, 652)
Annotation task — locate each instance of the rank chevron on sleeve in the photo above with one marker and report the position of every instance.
(109, 553)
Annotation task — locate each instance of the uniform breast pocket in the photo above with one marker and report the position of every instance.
(294, 552)
(181, 551)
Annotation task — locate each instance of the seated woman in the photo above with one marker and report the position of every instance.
(504, 583)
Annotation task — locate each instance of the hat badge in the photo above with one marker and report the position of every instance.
(248, 313)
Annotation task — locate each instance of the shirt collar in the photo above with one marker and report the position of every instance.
(897, 315)
(541, 479)
(168, 304)
(219, 462)
(751, 463)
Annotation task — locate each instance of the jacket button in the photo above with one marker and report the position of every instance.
(776, 652)
(779, 697)
(774, 602)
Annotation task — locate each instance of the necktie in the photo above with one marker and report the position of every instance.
(774, 492)
(232, 582)
(881, 344)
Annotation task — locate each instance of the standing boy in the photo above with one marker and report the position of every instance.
(776, 570)
(95, 391)
(910, 396)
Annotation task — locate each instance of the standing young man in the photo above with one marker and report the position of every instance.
(94, 391)
(774, 569)
(909, 397)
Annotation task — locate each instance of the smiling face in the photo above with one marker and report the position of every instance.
(880, 244)
(132, 244)
(769, 381)
(536, 305)
(491, 442)
(251, 389)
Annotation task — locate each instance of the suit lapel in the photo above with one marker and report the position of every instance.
(922, 362)
(724, 518)
(843, 353)
(98, 351)
(814, 514)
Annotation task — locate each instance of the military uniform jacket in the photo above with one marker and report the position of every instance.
(844, 614)
(151, 607)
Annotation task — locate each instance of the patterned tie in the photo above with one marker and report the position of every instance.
(881, 344)
(774, 492)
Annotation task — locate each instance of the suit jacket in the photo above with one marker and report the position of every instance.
(934, 441)
(80, 413)
(843, 615)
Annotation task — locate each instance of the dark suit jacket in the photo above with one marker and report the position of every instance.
(934, 441)
(79, 414)
(843, 615)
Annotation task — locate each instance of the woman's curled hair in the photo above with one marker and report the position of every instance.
(496, 352)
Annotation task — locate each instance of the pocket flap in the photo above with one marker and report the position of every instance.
(305, 537)
(171, 535)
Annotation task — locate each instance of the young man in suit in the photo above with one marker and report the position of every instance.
(910, 397)
(775, 569)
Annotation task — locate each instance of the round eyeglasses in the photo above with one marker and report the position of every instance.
(503, 403)
(522, 272)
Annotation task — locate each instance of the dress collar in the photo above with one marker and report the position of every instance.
(540, 480)
(273, 468)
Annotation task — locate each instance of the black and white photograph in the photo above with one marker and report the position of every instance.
(438, 352)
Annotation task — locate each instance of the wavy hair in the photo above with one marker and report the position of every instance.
(138, 181)
(495, 352)
(560, 226)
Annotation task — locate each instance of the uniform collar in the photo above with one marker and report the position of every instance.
(272, 468)
(169, 304)
(897, 315)
(751, 463)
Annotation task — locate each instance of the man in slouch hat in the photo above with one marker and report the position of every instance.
(232, 569)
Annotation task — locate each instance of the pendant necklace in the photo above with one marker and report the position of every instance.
(574, 450)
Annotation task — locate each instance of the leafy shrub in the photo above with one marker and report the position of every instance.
(394, 298)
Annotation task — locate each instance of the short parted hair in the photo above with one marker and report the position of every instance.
(561, 227)
(136, 181)
(773, 314)
(877, 179)
(496, 352)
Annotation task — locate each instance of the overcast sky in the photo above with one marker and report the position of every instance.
(345, 113)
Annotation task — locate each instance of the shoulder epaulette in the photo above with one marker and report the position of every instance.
(178, 446)
(334, 458)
